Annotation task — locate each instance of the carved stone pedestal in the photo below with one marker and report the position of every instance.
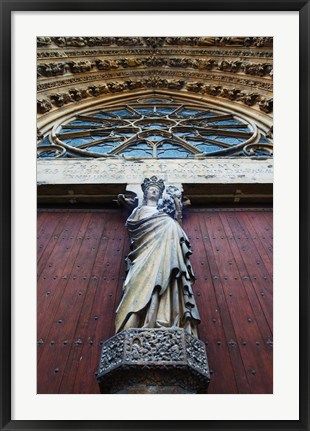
(153, 361)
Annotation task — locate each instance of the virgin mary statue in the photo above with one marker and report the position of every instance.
(157, 292)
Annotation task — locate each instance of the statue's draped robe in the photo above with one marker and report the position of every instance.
(158, 264)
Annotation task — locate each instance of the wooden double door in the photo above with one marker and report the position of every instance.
(81, 270)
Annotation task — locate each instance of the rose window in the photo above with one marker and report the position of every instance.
(155, 128)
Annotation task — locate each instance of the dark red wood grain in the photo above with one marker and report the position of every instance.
(81, 269)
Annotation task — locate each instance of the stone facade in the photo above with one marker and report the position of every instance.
(73, 69)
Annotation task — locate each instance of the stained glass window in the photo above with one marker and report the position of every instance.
(158, 128)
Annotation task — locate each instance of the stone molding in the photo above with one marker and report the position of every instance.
(81, 66)
(265, 85)
(249, 98)
(154, 42)
(43, 55)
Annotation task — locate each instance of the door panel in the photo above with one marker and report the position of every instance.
(81, 270)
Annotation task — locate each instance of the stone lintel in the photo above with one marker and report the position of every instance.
(120, 171)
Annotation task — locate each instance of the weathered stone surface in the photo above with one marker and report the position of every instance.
(107, 171)
(153, 361)
(227, 68)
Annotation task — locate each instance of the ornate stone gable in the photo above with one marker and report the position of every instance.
(226, 68)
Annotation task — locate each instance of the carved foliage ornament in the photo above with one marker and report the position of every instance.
(233, 66)
(155, 42)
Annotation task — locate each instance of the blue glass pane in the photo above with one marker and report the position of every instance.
(145, 111)
(226, 139)
(82, 123)
(170, 150)
(230, 140)
(164, 111)
(47, 154)
(101, 115)
(155, 101)
(208, 148)
(196, 142)
(186, 112)
(155, 138)
(154, 125)
(263, 140)
(95, 138)
(123, 113)
(204, 115)
(236, 129)
(45, 141)
(71, 130)
(168, 145)
(225, 121)
(121, 134)
(138, 150)
(75, 142)
(172, 154)
(101, 148)
(188, 134)
(262, 152)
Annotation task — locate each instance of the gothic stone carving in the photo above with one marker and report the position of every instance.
(233, 53)
(96, 90)
(234, 66)
(52, 54)
(60, 99)
(164, 358)
(266, 105)
(237, 41)
(80, 66)
(96, 41)
(130, 74)
(231, 94)
(43, 106)
(51, 69)
(106, 64)
(248, 98)
(69, 41)
(43, 41)
(155, 42)
(78, 94)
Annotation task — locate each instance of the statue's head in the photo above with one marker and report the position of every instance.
(152, 186)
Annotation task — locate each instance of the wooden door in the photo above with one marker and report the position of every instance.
(81, 269)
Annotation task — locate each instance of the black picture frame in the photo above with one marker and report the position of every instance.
(7, 7)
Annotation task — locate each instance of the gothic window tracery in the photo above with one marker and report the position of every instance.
(155, 127)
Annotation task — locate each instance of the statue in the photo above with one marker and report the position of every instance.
(156, 347)
(158, 287)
